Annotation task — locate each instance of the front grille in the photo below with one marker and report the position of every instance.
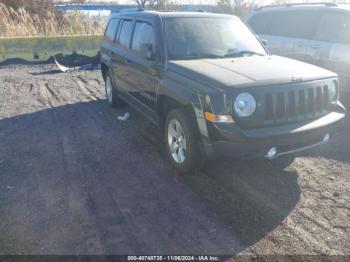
(296, 105)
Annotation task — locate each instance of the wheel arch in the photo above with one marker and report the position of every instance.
(173, 96)
(104, 70)
(167, 103)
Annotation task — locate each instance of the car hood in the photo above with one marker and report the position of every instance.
(248, 71)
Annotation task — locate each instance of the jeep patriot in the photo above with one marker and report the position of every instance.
(210, 84)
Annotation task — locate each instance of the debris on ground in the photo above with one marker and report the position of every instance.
(124, 117)
(65, 69)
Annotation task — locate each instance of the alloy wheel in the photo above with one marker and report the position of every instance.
(177, 141)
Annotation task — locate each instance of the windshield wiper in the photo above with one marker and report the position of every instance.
(201, 56)
(242, 53)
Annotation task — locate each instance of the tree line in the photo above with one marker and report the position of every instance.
(44, 7)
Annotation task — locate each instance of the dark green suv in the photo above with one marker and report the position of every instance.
(210, 84)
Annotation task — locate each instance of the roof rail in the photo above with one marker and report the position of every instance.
(131, 10)
(296, 4)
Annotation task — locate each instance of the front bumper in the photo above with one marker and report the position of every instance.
(232, 141)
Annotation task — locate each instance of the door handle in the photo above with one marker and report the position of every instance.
(315, 46)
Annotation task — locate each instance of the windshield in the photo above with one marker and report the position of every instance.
(196, 38)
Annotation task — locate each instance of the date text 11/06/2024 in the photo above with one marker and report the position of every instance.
(174, 258)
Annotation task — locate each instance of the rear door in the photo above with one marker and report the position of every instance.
(108, 48)
(334, 30)
(121, 56)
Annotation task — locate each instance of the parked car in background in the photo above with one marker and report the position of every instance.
(314, 33)
(211, 86)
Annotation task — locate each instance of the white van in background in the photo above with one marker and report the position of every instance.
(314, 33)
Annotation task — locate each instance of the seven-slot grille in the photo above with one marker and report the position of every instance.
(296, 105)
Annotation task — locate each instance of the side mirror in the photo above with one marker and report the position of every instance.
(147, 51)
(264, 42)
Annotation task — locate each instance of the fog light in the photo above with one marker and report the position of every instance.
(326, 138)
(271, 154)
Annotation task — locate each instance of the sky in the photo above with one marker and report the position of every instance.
(261, 2)
(177, 1)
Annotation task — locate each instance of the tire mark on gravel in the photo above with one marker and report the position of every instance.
(46, 96)
(108, 206)
(5, 94)
(4, 101)
(70, 154)
(86, 91)
(92, 117)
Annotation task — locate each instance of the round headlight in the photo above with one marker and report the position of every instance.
(245, 105)
(332, 91)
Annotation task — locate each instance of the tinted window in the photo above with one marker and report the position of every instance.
(298, 24)
(260, 23)
(143, 35)
(334, 27)
(125, 33)
(111, 30)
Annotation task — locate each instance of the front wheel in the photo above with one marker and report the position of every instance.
(181, 142)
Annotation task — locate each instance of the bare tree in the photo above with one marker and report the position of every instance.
(237, 7)
(141, 3)
(152, 4)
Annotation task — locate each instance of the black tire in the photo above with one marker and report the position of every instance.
(112, 99)
(193, 160)
(283, 161)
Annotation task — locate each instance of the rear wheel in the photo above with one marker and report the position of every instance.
(181, 142)
(111, 93)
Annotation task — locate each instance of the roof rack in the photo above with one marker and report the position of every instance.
(131, 10)
(328, 4)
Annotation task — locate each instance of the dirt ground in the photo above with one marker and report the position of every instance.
(75, 180)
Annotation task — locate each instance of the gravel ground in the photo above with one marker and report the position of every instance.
(75, 180)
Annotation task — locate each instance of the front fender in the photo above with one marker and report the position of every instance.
(188, 93)
(106, 59)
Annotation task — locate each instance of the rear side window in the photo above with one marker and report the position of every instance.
(297, 24)
(260, 23)
(143, 36)
(111, 30)
(125, 33)
(334, 27)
